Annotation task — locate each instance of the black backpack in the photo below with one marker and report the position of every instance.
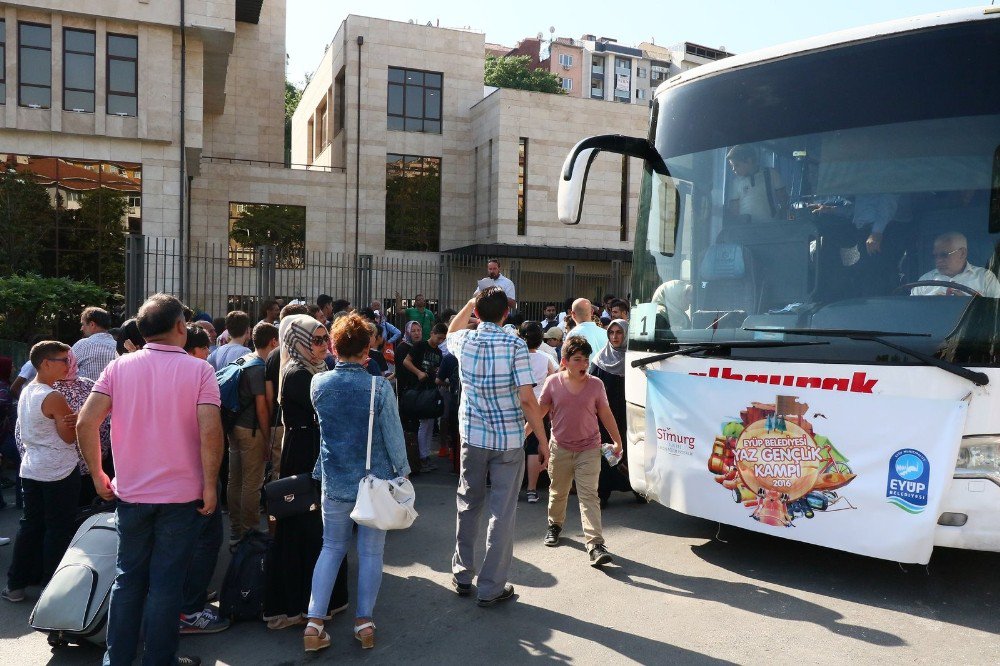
(242, 593)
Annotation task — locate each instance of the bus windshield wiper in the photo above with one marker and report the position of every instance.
(977, 378)
(688, 348)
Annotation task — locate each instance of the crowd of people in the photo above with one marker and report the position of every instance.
(178, 418)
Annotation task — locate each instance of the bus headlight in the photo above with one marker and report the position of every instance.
(979, 457)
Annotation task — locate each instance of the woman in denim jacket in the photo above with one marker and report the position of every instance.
(341, 399)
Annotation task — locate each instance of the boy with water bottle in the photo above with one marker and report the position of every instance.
(576, 401)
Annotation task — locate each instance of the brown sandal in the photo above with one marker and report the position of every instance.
(315, 643)
(367, 640)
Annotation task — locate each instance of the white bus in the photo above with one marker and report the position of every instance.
(799, 206)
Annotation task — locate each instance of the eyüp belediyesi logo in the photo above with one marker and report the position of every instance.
(909, 475)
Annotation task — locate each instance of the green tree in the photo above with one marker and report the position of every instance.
(92, 239)
(34, 304)
(413, 210)
(284, 227)
(293, 95)
(513, 72)
(26, 216)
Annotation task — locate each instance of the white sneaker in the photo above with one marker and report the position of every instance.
(4, 541)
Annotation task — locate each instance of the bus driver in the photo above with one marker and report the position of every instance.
(951, 252)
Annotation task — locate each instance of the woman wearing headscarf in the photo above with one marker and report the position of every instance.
(609, 367)
(298, 539)
(673, 298)
(76, 389)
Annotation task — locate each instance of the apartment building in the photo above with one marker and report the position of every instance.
(600, 68)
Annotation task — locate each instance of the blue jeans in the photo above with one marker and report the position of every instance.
(337, 526)
(204, 557)
(155, 542)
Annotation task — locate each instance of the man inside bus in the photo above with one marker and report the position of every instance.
(756, 191)
(951, 264)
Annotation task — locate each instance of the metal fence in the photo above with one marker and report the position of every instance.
(215, 278)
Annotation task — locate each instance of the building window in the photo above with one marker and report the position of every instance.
(597, 78)
(67, 217)
(567, 85)
(3, 61)
(34, 65)
(78, 69)
(658, 74)
(522, 181)
(623, 224)
(640, 72)
(253, 225)
(412, 203)
(623, 80)
(338, 102)
(414, 100)
(321, 124)
(566, 60)
(640, 93)
(123, 75)
(310, 141)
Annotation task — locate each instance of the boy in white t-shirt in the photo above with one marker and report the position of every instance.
(542, 365)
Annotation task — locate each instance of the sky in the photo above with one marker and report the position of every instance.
(737, 25)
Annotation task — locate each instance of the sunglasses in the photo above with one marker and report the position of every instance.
(321, 340)
(64, 359)
(944, 255)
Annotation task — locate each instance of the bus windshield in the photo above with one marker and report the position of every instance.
(884, 221)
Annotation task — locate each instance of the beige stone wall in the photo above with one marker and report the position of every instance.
(320, 192)
(219, 14)
(459, 56)
(478, 145)
(553, 124)
(158, 105)
(252, 123)
(305, 120)
(153, 137)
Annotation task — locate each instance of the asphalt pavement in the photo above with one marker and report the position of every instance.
(681, 591)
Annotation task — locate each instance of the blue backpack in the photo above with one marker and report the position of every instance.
(229, 390)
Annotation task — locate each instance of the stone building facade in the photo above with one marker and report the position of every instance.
(184, 115)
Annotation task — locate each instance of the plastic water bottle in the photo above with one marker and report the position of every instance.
(608, 449)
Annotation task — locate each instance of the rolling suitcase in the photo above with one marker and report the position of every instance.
(73, 607)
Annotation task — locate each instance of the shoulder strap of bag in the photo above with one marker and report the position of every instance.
(371, 423)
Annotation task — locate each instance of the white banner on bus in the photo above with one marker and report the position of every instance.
(857, 472)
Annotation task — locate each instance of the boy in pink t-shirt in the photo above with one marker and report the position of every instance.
(576, 400)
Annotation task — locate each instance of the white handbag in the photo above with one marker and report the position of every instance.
(382, 503)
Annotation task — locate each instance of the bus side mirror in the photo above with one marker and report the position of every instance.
(573, 178)
(573, 183)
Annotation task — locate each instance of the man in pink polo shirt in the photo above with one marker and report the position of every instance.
(166, 440)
